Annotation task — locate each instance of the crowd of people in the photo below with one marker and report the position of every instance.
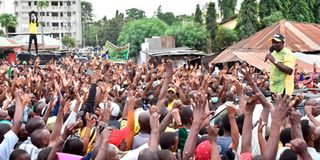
(101, 110)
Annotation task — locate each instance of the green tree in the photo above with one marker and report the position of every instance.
(93, 31)
(7, 20)
(198, 15)
(134, 32)
(275, 17)
(225, 38)
(87, 18)
(299, 11)
(317, 13)
(184, 17)
(42, 4)
(227, 8)
(192, 35)
(134, 13)
(314, 6)
(267, 7)
(167, 17)
(247, 20)
(86, 11)
(68, 41)
(113, 28)
(211, 23)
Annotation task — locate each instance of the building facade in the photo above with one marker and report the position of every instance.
(60, 18)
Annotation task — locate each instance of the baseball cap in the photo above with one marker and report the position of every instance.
(278, 37)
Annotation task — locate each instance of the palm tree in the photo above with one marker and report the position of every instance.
(7, 20)
(41, 5)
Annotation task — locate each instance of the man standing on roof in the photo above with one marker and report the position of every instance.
(33, 24)
(282, 67)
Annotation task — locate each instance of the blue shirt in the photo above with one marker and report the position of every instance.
(223, 144)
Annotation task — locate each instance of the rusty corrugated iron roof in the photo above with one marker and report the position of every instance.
(301, 37)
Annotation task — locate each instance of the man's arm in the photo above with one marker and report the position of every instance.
(283, 68)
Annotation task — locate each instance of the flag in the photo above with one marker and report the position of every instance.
(115, 53)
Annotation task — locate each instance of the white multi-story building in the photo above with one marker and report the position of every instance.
(61, 18)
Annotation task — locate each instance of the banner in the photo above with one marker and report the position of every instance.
(115, 53)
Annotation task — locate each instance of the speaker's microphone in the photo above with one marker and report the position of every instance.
(271, 49)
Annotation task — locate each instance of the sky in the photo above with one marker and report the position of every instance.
(108, 7)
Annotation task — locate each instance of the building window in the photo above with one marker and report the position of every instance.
(47, 14)
(61, 3)
(29, 3)
(55, 24)
(73, 2)
(68, 24)
(35, 3)
(54, 14)
(54, 3)
(68, 3)
(61, 24)
(69, 14)
(61, 14)
(42, 14)
(74, 12)
(48, 24)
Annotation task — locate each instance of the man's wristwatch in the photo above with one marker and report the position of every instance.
(276, 62)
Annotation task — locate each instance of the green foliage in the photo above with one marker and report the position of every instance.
(211, 20)
(268, 7)
(227, 8)
(247, 20)
(299, 11)
(134, 13)
(225, 38)
(275, 17)
(68, 41)
(92, 32)
(317, 13)
(192, 35)
(184, 17)
(198, 15)
(113, 29)
(134, 32)
(42, 4)
(167, 17)
(86, 11)
(7, 20)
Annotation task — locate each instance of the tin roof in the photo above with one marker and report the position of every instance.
(299, 37)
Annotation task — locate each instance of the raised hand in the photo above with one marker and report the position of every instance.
(294, 117)
(198, 104)
(248, 72)
(281, 109)
(239, 88)
(299, 146)
(251, 103)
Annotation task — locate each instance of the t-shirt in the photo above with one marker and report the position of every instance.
(280, 81)
(6, 147)
(33, 28)
(223, 144)
(140, 139)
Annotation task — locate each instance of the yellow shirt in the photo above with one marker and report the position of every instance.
(170, 105)
(33, 28)
(278, 79)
